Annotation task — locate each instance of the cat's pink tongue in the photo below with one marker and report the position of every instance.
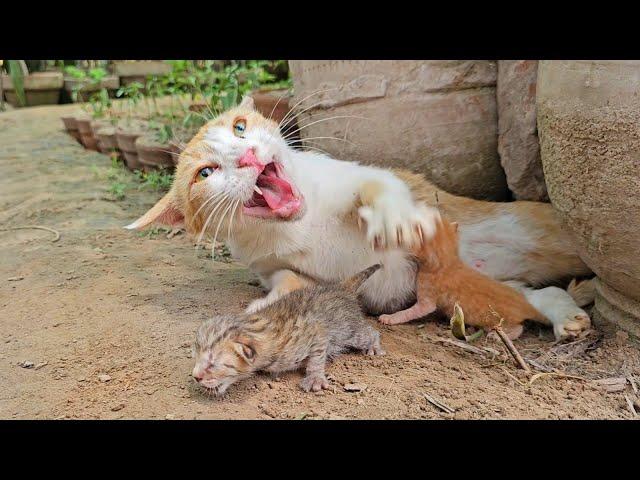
(276, 191)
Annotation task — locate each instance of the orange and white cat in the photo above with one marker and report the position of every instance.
(297, 216)
(444, 280)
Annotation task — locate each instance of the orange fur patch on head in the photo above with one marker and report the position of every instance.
(179, 208)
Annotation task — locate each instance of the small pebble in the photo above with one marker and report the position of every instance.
(355, 387)
(115, 408)
(26, 364)
(104, 378)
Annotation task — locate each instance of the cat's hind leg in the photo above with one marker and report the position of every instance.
(559, 307)
(421, 309)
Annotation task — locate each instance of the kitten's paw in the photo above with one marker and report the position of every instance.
(314, 383)
(256, 305)
(375, 350)
(397, 223)
(574, 324)
(393, 319)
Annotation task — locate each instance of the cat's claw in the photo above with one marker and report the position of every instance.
(391, 223)
(314, 383)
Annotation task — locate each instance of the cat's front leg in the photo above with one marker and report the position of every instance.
(282, 282)
(391, 216)
(315, 379)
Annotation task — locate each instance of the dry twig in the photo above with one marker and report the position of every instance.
(34, 227)
(438, 404)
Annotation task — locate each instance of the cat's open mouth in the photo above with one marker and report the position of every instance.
(274, 196)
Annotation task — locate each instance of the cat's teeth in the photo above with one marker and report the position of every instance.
(257, 189)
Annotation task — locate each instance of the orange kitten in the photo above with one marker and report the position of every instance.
(444, 280)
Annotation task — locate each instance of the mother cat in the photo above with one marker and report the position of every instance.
(294, 217)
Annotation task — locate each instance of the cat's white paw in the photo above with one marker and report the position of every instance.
(574, 323)
(393, 222)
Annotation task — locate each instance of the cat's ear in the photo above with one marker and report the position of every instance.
(245, 350)
(165, 212)
(454, 226)
(247, 102)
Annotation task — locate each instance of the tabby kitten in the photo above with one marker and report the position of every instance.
(305, 327)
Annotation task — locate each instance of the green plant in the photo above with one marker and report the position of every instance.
(157, 180)
(17, 71)
(92, 77)
(133, 94)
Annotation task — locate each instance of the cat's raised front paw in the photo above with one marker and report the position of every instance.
(397, 223)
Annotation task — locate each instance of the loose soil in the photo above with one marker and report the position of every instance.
(105, 318)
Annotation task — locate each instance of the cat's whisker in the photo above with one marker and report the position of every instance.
(217, 206)
(233, 213)
(309, 147)
(282, 122)
(303, 140)
(215, 235)
(276, 105)
(290, 121)
(213, 197)
(322, 120)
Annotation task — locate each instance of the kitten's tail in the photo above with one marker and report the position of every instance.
(353, 283)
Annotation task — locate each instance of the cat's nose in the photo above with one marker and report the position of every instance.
(197, 378)
(249, 159)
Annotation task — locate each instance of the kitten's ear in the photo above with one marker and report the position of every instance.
(245, 350)
(165, 212)
(454, 225)
(247, 102)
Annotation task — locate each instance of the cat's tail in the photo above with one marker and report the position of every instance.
(353, 283)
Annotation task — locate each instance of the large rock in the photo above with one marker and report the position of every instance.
(518, 143)
(589, 121)
(438, 118)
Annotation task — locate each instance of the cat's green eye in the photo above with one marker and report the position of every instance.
(239, 126)
(204, 173)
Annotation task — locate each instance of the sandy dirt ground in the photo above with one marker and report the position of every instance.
(105, 319)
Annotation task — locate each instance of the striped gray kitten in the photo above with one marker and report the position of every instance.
(305, 327)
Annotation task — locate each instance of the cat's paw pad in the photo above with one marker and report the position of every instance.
(391, 223)
(314, 383)
(574, 324)
(256, 305)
